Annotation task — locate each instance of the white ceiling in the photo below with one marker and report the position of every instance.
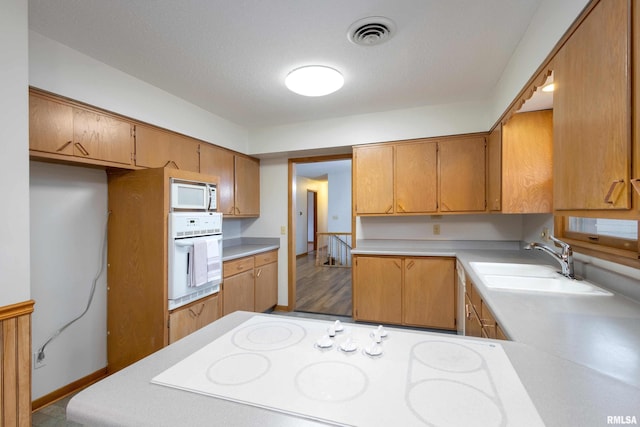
(231, 57)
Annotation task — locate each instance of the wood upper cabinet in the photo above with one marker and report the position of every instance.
(429, 292)
(192, 317)
(416, 178)
(247, 186)
(157, 148)
(220, 162)
(50, 126)
(494, 161)
(462, 174)
(377, 289)
(373, 179)
(68, 130)
(520, 164)
(592, 113)
(239, 183)
(100, 137)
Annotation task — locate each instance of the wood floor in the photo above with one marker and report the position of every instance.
(322, 289)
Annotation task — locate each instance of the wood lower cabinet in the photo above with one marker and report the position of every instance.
(239, 188)
(61, 131)
(190, 318)
(479, 320)
(266, 284)
(592, 112)
(429, 292)
(377, 289)
(520, 159)
(157, 148)
(250, 283)
(416, 291)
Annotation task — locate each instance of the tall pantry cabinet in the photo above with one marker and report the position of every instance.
(138, 320)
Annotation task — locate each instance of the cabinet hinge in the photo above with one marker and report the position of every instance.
(169, 323)
(133, 131)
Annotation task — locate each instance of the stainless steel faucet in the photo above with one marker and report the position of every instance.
(565, 258)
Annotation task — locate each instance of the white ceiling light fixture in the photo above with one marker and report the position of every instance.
(314, 80)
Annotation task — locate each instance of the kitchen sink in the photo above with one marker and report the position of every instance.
(558, 285)
(532, 278)
(511, 269)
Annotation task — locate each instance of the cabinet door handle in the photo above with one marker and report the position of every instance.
(201, 309)
(636, 184)
(169, 162)
(237, 210)
(467, 313)
(614, 184)
(192, 314)
(259, 273)
(400, 208)
(389, 209)
(396, 264)
(65, 145)
(410, 265)
(82, 149)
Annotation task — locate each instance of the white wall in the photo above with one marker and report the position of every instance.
(339, 214)
(68, 219)
(14, 152)
(59, 69)
(452, 227)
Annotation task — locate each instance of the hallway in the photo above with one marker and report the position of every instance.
(322, 289)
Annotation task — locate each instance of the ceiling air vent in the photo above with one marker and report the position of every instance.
(371, 31)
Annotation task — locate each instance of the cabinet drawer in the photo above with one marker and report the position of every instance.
(266, 258)
(236, 266)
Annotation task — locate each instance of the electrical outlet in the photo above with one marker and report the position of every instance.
(545, 234)
(38, 364)
(436, 229)
(283, 230)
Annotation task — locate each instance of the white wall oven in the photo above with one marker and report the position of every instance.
(195, 256)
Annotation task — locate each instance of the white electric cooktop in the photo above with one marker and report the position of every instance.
(295, 366)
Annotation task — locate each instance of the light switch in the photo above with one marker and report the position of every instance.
(283, 230)
(436, 229)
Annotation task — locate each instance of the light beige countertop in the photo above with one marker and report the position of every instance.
(247, 246)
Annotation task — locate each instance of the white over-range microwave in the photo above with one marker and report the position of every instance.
(191, 195)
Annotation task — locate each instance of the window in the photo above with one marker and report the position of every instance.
(603, 233)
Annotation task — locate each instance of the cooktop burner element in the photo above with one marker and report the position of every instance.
(223, 371)
(448, 356)
(331, 381)
(419, 378)
(269, 336)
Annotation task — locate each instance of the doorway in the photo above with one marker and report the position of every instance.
(319, 204)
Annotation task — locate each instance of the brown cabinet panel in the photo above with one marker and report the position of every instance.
(429, 292)
(247, 186)
(462, 174)
(100, 137)
(416, 177)
(233, 267)
(472, 326)
(238, 293)
(190, 318)
(157, 148)
(592, 113)
(527, 159)
(266, 286)
(378, 289)
(373, 179)
(50, 126)
(220, 162)
(494, 160)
